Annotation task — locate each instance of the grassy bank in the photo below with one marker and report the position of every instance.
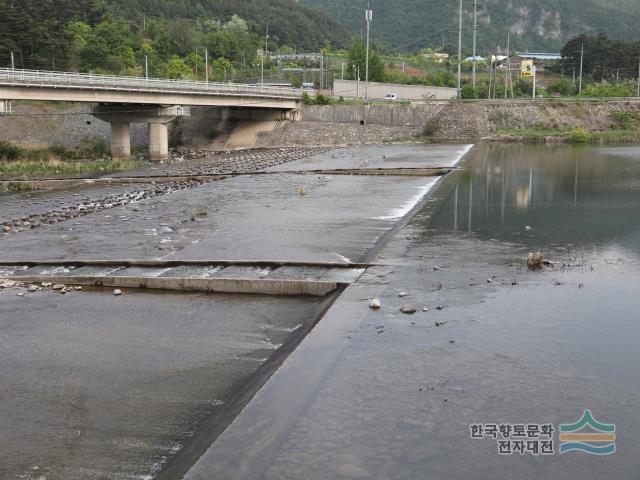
(576, 136)
(18, 162)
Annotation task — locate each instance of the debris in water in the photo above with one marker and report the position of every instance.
(535, 260)
(374, 304)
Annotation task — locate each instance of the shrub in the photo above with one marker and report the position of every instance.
(430, 129)
(626, 120)
(468, 92)
(9, 151)
(578, 135)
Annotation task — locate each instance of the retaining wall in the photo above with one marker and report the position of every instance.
(391, 115)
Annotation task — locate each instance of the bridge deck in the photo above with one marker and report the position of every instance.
(112, 83)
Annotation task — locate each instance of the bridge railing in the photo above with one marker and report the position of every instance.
(87, 81)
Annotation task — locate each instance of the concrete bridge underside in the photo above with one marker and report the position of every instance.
(121, 107)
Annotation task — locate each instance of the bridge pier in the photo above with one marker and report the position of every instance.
(158, 118)
(158, 142)
(120, 141)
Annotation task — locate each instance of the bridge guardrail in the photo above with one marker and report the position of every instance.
(70, 80)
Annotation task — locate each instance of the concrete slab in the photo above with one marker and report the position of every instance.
(380, 156)
(97, 386)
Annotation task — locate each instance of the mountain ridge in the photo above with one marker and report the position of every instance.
(410, 25)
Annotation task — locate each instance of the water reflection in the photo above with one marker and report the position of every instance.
(556, 195)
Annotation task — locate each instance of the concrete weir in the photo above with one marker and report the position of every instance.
(267, 278)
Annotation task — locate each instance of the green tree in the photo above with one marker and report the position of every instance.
(357, 59)
(107, 48)
(177, 69)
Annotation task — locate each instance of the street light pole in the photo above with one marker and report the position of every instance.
(639, 78)
(581, 63)
(459, 89)
(475, 36)
(369, 18)
(206, 64)
(146, 67)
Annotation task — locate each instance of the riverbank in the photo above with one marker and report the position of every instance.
(539, 122)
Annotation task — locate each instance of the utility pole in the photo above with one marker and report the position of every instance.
(196, 64)
(262, 68)
(534, 81)
(507, 81)
(342, 75)
(206, 64)
(369, 18)
(459, 89)
(639, 78)
(475, 36)
(13, 63)
(581, 64)
(146, 67)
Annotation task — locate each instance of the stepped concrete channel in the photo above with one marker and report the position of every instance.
(218, 281)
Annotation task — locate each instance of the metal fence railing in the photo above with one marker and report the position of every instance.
(86, 81)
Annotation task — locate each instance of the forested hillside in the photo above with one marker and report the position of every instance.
(116, 35)
(410, 25)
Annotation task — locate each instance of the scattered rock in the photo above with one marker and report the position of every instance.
(32, 288)
(7, 283)
(452, 340)
(374, 303)
(440, 307)
(425, 309)
(535, 260)
(20, 294)
(403, 294)
(58, 286)
(117, 292)
(409, 310)
(439, 323)
(435, 269)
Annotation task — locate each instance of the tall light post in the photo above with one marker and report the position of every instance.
(475, 36)
(581, 65)
(459, 89)
(369, 18)
(206, 64)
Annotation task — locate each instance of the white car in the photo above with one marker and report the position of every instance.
(391, 96)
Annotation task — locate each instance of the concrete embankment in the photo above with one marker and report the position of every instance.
(480, 120)
(72, 125)
(39, 125)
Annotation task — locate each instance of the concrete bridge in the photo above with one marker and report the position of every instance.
(157, 102)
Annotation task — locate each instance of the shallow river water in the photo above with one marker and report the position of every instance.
(507, 347)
